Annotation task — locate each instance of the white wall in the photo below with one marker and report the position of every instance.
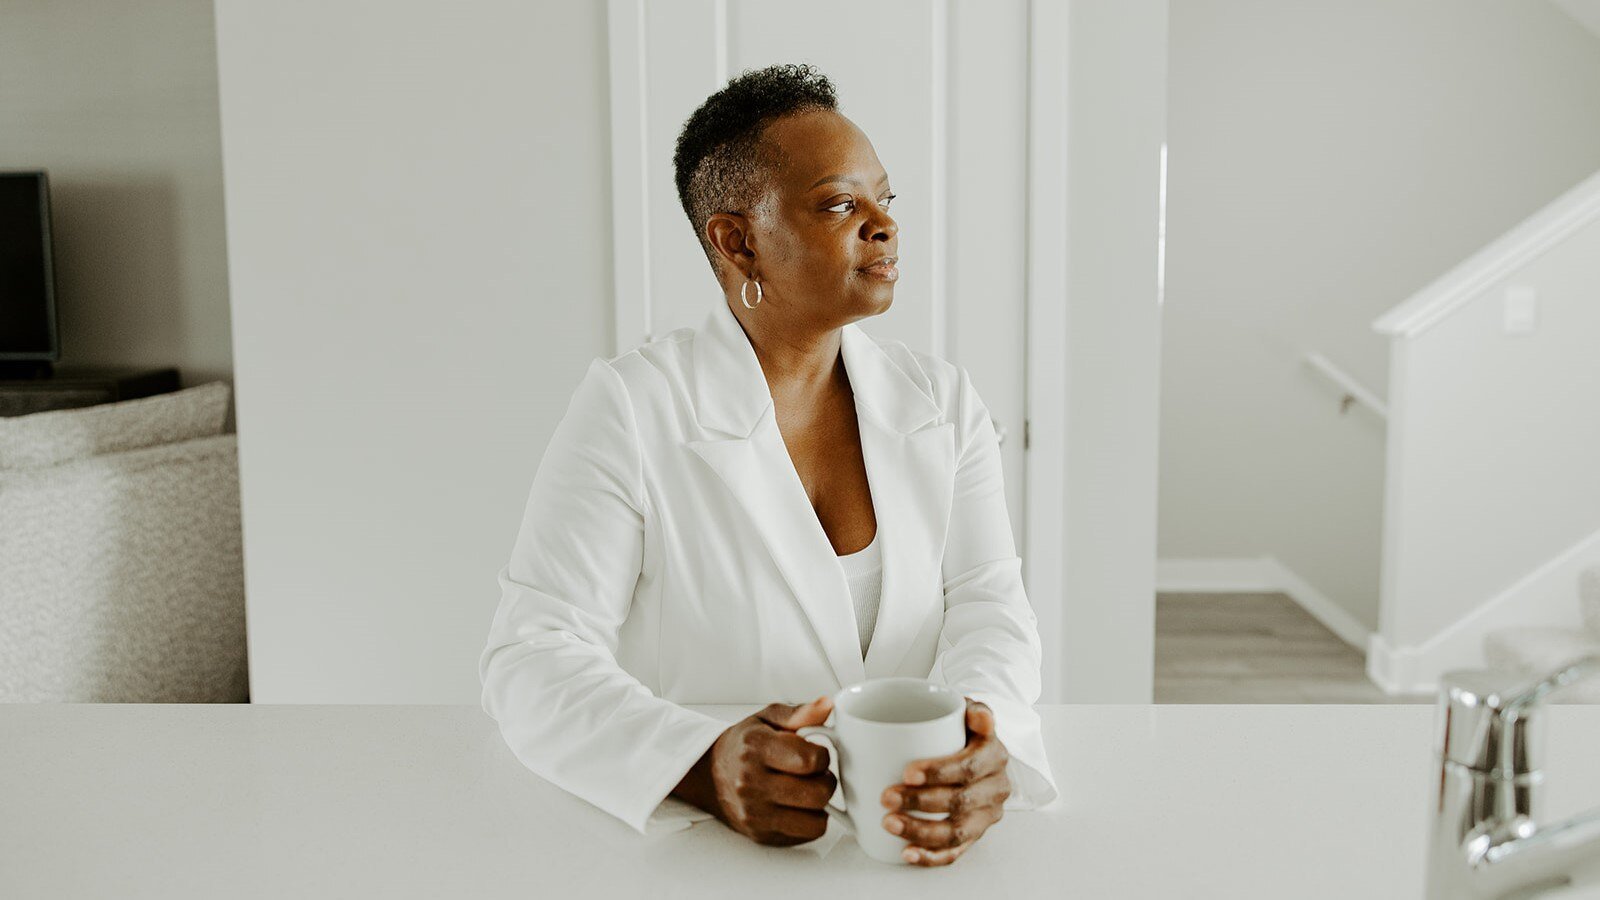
(1116, 97)
(118, 102)
(418, 211)
(1327, 160)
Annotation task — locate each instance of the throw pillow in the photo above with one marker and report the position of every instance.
(63, 435)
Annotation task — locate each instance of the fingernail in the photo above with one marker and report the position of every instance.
(893, 824)
(915, 776)
(910, 855)
(891, 798)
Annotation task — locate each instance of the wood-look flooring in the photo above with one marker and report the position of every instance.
(1255, 648)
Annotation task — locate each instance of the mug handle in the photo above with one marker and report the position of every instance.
(806, 731)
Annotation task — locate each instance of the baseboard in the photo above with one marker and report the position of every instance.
(1395, 671)
(1546, 596)
(1262, 574)
(1334, 617)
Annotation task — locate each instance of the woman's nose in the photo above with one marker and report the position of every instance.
(880, 227)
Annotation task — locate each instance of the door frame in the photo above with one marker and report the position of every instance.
(1044, 428)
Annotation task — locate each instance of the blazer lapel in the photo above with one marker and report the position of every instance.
(910, 458)
(910, 464)
(912, 476)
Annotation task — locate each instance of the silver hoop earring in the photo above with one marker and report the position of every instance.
(746, 300)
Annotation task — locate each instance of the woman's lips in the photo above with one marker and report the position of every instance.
(882, 271)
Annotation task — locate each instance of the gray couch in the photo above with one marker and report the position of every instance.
(121, 561)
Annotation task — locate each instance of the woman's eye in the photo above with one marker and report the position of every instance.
(852, 203)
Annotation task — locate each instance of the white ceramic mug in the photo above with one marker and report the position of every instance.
(878, 727)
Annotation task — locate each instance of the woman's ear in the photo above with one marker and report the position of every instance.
(728, 233)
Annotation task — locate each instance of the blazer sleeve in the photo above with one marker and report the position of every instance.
(989, 646)
(566, 708)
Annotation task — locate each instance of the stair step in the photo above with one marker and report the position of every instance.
(1589, 599)
(1541, 650)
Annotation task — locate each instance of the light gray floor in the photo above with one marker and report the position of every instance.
(1255, 648)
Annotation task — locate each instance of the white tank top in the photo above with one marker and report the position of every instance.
(863, 571)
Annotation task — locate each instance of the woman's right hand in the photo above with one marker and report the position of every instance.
(763, 780)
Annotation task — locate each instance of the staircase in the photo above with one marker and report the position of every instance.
(1539, 650)
(1492, 502)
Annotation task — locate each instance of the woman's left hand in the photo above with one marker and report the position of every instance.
(970, 785)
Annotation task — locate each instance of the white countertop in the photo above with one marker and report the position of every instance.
(168, 801)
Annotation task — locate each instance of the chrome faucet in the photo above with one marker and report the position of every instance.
(1486, 841)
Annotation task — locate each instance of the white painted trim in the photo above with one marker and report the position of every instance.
(719, 37)
(630, 206)
(1588, 548)
(1334, 617)
(1258, 575)
(1507, 253)
(1161, 233)
(1546, 596)
(939, 212)
(1476, 624)
(1045, 464)
(1394, 456)
(1394, 670)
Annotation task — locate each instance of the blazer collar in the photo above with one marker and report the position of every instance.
(731, 391)
(910, 470)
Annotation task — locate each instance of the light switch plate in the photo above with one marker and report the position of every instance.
(1521, 310)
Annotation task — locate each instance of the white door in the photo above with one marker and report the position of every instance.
(940, 89)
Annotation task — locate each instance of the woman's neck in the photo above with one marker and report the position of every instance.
(800, 366)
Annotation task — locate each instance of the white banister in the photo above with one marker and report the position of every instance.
(1511, 251)
(1354, 391)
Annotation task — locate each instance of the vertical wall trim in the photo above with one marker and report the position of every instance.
(939, 274)
(719, 37)
(1390, 624)
(630, 202)
(1045, 394)
(1161, 232)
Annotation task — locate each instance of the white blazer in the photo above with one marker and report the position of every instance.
(669, 555)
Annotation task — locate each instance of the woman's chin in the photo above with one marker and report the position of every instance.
(874, 300)
(879, 302)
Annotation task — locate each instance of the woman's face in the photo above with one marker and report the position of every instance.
(826, 219)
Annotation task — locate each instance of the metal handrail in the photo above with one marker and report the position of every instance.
(1354, 391)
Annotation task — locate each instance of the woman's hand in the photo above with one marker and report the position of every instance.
(970, 785)
(763, 780)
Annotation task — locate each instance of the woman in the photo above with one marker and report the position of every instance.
(714, 516)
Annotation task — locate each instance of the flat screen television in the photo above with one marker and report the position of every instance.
(29, 339)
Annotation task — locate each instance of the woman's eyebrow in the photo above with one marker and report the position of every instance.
(846, 179)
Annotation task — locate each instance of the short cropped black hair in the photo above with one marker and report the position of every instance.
(720, 163)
